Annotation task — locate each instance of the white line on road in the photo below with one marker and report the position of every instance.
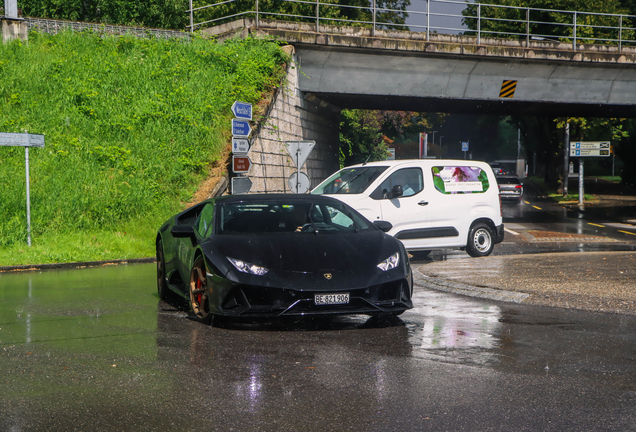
(510, 231)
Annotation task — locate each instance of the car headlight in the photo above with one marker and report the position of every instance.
(390, 263)
(248, 268)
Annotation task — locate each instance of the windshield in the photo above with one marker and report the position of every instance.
(349, 180)
(291, 218)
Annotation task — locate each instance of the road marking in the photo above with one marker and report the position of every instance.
(527, 202)
(510, 231)
(625, 232)
(590, 223)
(538, 208)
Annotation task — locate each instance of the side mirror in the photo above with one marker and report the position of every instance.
(383, 226)
(397, 191)
(182, 231)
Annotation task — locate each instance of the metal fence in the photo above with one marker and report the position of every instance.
(477, 19)
(53, 26)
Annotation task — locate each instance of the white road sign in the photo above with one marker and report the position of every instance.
(240, 146)
(589, 145)
(241, 185)
(589, 152)
(299, 151)
(299, 184)
(21, 139)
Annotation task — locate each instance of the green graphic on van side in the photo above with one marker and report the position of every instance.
(460, 179)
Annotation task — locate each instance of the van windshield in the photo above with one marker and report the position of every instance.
(349, 180)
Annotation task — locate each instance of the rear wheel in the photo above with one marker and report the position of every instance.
(199, 303)
(162, 286)
(480, 241)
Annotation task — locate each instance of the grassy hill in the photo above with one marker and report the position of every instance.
(132, 126)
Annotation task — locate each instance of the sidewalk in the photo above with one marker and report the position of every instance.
(592, 281)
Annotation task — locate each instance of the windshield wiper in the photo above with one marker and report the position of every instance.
(348, 182)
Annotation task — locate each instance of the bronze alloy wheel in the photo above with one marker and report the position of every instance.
(198, 293)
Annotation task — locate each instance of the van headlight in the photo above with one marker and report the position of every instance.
(390, 263)
(248, 268)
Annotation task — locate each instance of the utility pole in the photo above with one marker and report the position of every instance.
(566, 159)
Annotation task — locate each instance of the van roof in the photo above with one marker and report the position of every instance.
(432, 162)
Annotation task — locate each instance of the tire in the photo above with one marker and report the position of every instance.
(480, 241)
(199, 302)
(421, 254)
(162, 286)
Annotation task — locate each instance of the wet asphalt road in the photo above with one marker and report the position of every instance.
(95, 349)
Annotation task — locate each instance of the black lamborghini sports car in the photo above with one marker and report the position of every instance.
(273, 255)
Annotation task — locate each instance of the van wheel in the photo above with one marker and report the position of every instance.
(480, 241)
(420, 254)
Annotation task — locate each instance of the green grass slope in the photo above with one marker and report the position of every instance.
(131, 127)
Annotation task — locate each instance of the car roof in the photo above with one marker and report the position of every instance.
(271, 197)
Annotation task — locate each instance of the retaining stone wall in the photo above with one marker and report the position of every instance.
(293, 118)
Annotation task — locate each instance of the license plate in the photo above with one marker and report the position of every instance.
(331, 299)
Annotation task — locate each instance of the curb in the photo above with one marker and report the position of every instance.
(57, 266)
(467, 290)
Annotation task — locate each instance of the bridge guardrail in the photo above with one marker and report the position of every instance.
(481, 20)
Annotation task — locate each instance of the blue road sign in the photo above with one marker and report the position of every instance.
(242, 110)
(241, 128)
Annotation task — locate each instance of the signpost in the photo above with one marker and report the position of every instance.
(241, 131)
(299, 152)
(583, 149)
(423, 145)
(241, 185)
(240, 146)
(465, 147)
(242, 110)
(25, 140)
(241, 164)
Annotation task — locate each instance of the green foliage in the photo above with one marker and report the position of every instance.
(509, 22)
(130, 125)
(169, 14)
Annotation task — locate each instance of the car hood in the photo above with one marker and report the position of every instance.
(308, 252)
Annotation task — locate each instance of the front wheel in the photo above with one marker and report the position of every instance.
(480, 241)
(199, 303)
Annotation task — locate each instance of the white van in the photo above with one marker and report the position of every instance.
(431, 203)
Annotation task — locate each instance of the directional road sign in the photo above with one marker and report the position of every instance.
(241, 164)
(242, 110)
(590, 149)
(21, 139)
(241, 129)
(241, 185)
(240, 146)
(299, 151)
(465, 146)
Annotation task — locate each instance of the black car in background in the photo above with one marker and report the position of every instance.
(273, 255)
(510, 188)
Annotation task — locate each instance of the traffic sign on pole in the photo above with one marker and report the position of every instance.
(242, 110)
(241, 164)
(241, 185)
(299, 151)
(241, 128)
(240, 146)
(21, 139)
(590, 149)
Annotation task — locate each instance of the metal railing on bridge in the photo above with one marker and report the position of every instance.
(468, 19)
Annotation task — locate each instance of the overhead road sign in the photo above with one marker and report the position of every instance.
(240, 146)
(242, 110)
(241, 128)
(299, 151)
(21, 139)
(241, 185)
(241, 164)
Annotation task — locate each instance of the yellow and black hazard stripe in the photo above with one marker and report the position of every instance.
(508, 89)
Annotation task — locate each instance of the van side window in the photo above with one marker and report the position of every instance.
(410, 180)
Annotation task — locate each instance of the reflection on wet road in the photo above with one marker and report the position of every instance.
(95, 349)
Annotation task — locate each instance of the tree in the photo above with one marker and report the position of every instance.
(553, 23)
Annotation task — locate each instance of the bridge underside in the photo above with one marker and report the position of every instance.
(363, 79)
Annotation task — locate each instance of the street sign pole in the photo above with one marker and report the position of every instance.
(28, 192)
(581, 187)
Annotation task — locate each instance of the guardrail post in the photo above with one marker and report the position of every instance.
(191, 18)
(257, 20)
(574, 34)
(317, 16)
(374, 5)
(527, 27)
(479, 24)
(428, 18)
(620, 33)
